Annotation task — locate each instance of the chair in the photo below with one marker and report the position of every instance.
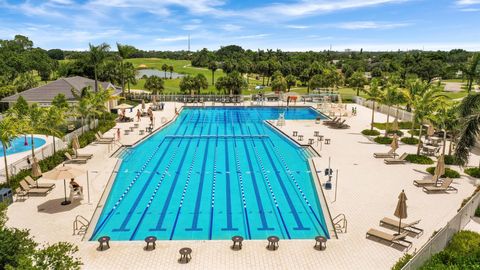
(389, 154)
(331, 122)
(103, 137)
(340, 125)
(426, 182)
(76, 193)
(103, 140)
(85, 156)
(400, 160)
(70, 159)
(21, 194)
(390, 238)
(33, 191)
(34, 184)
(406, 226)
(444, 187)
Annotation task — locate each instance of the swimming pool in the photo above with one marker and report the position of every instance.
(18, 145)
(214, 173)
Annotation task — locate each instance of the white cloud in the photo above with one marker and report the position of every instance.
(172, 39)
(230, 27)
(369, 25)
(467, 2)
(292, 26)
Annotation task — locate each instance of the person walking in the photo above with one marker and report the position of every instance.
(139, 114)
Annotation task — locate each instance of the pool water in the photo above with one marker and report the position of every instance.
(18, 145)
(212, 174)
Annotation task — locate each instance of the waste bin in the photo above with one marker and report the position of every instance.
(6, 196)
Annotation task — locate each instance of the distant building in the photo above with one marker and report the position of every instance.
(43, 95)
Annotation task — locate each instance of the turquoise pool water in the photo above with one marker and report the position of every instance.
(18, 145)
(212, 174)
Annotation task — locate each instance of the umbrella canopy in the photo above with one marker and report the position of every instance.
(394, 143)
(62, 173)
(430, 130)
(440, 169)
(75, 143)
(401, 210)
(123, 106)
(36, 170)
(395, 125)
(143, 104)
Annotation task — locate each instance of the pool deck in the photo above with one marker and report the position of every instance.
(367, 192)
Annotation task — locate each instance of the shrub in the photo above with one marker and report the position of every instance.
(414, 132)
(383, 140)
(370, 132)
(398, 132)
(451, 160)
(402, 261)
(409, 140)
(473, 172)
(477, 212)
(419, 159)
(401, 125)
(468, 199)
(448, 172)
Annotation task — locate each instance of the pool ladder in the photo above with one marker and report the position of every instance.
(80, 225)
(340, 223)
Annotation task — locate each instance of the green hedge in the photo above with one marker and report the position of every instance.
(370, 132)
(419, 159)
(383, 140)
(401, 125)
(414, 132)
(89, 136)
(402, 261)
(409, 140)
(477, 212)
(462, 252)
(398, 132)
(448, 172)
(451, 160)
(473, 172)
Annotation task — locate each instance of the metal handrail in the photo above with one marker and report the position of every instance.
(341, 218)
(82, 221)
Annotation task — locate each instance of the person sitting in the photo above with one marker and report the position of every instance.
(75, 190)
(75, 185)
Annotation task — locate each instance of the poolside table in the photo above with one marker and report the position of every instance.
(150, 240)
(320, 243)
(316, 133)
(239, 240)
(185, 254)
(295, 133)
(300, 138)
(327, 141)
(310, 141)
(104, 241)
(272, 242)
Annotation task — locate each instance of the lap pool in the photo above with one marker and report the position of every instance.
(214, 173)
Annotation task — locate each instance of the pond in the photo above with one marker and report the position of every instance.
(156, 72)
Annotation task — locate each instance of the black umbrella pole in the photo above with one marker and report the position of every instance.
(65, 202)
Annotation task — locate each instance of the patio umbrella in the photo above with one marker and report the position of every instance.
(440, 169)
(75, 144)
(394, 143)
(36, 170)
(143, 104)
(395, 125)
(123, 106)
(430, 130)
(63, 172)
(401, 210)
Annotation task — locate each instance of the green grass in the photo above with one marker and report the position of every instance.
(455, 95)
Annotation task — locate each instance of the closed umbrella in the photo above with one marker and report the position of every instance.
(395, 125)
(63, 172)
(143, 104)
(394, 143)
(75, 143)
(36, 170)
(440, 169)
(401, 210)
(430, 130)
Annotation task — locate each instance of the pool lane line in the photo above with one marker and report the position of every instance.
(159, 183)
(139, 197)
(189, 177)
(137, 176)
(228, 184)
(212, 194)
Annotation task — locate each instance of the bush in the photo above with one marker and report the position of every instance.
(477, 212)
(462, 252)
(451, 160)
(409, 140)
(398, 132)
(383, 140)
(473, 172)
(419, 159)
(370, 132)
(414, 132)
(89, 136)
(402, 261)
(448, 172)
(401, 125)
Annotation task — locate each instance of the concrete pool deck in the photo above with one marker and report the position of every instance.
(367, 192)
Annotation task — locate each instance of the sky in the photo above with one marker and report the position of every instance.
(289, 25)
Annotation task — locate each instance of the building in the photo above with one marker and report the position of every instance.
(43, 95)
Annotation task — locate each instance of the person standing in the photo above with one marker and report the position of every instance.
(139, 114)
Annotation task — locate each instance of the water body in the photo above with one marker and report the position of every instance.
(156, 72)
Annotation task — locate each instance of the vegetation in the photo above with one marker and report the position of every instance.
(473, 172)
(448, 172)
(409, 140)
(419, 159)
(462, 252)
(370, 132)
(155, 85)
(451, 160)
(402, 261)
(469, 111)
(383, 140)
(401, 125)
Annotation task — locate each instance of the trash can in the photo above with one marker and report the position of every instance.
(6, 196)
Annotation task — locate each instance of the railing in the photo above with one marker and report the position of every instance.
(188, 98)
(402, 114)
(440, 240)
(80, 225)
(340, 223)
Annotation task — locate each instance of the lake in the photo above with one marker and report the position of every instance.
(156, 72)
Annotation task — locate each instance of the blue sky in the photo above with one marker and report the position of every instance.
(292, 25)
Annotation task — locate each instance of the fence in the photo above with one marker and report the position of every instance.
(402, 114)
(188, 98)
(44, 152)
(440, 240)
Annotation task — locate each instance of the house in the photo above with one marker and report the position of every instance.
(43, 95)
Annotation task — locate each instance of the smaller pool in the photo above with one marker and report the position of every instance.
(18, 145)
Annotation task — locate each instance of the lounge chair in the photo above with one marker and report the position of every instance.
(105, 137)
(400, 160)
(34, 184)
(444, 187)
(431, 181)
(390, 238)
(103, 140)
(340, 125)
(85, 156)
(21, 194)
(389, 154)
(332, 122)
(33, 191)
(70, 159)
(406, 226)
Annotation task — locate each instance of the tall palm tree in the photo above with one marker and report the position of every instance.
(374, 94)
(54, 118)
(170, 69)
(390, 98)
(446, 118)
(9, 130)
(472, 70)
(124, 51)
(213, 66)
(165, 68)
(97, 55)
(469, 112)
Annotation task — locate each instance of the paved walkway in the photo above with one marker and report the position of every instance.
(367, 191)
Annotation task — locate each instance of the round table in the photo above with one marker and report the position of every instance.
(237, 239)
(185, 254)
(104, 241)
(150, 240)
(320, 243)
(272, 242)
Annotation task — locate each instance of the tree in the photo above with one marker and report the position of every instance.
(10, 128)
(391, 97)
(291, 81)
(357, 81)
(200, 82)
(232, 83)
(97, 56)
(279, 84)
(374, 94)
(213, 66)
(155, 84)
(54, 119)
(187, 85)
(170, 69)
(472, 70)
(124, 51)
(164, 68)
(24, 82)
(60, 101)
(56, 54)
(469, 113)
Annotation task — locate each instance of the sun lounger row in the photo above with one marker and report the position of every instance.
(392, 239)
(431, 185)
(400, 160)
(406, 228)
(389, 154)
(30, 188)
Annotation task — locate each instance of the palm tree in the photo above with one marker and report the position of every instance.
(391, 98)
(165, 68)
(213, 67)
(200, 82)
(9, 130)
(291, 81)
(97, 55)
(170, 68)
(54, 118)
(472, 70)
(124, 51)
(469, 112)
(446, 118)
(374, 94)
